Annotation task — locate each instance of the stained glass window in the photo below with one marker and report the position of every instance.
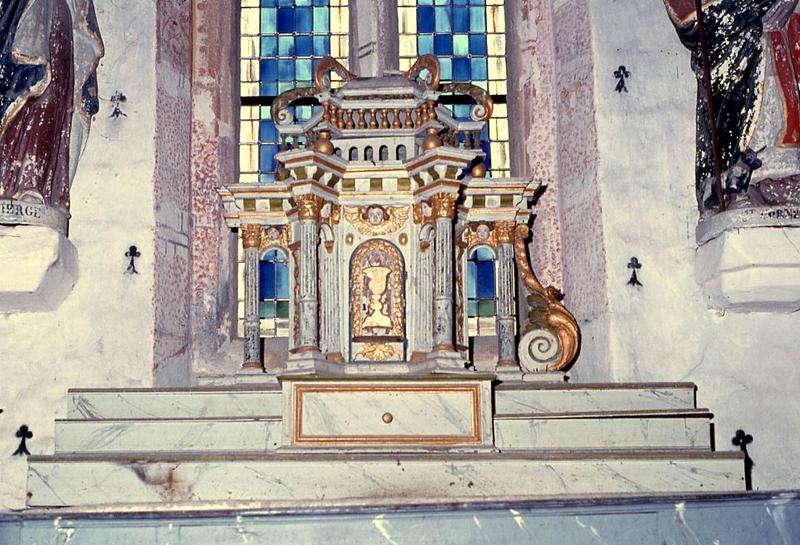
(273, 294)
(468, 37)
(280, 43)
(481, 299)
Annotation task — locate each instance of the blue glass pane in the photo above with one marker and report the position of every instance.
(321, 2)
(271, 255)
(269, 70)
(321, 46)
(266, 157)
(471, 276)
(266, 309)
(282, 281)
(269, 46)
(460, 45)
(485, 279)
(446, 69)
(486, 308)
(460, 2)
(302, 2)
(283, 309)
(488, 160)
(425, 2)
(477, 20)
(268, 88)
(303, 46)
(461, 70)
(321, 21)
(479, 70)
(302, 20)
(266, 131)
(268, 18)
(443, 44)
(266, 280)
(472, 308)
(425, 22)
(461, 111)
(285, 20)
(477, 2)
(477, 44)
(285, 70)
(425, 45)
(303, 69)
(443, 20)
(268, 3)
(460, 19)
(286, 46)
(482, 253)
(285, 2)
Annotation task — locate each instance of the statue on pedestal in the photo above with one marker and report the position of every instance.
(754, 60)
(49, 53)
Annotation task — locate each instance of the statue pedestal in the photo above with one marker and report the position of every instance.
(749, 259)
(38, 268)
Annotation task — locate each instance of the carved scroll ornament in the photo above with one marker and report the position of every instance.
(482, 110)
(551, 338)
(425, 62)
(322, 81)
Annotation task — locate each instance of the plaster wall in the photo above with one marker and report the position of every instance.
(745, 364)
(110, 329)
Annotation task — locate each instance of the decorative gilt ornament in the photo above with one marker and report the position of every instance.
(422, 213)
(378, 268)
(323, 143)
(273, 235)
(308, 206)
(378, 352)
(505, 231)
(478, 171)
(376, 220)
(480, 234)
(251, 235)
(444, 205)
(551, 338)
(431, 139)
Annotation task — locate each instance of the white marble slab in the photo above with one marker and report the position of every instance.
(256, 435)
(676, 431)
(184, 403)
(57, 482)
(388, 412)
(522, 398)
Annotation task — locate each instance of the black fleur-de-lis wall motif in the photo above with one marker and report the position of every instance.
(634, 266)
(117, 100)
(622, 74)
(132, 253)
(23, 433)
(741, 440)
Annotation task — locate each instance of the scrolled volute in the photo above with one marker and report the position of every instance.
(484, 105)
(551, 339)
(429, 63)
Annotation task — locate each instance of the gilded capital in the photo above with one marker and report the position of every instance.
(444, 205)
(309, 206)
(505, 231)
(251, 235)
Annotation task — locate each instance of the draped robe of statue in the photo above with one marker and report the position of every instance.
(754, 55)
(49, 52)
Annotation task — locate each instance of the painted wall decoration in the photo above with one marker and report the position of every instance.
(49, 53)
(752, 50)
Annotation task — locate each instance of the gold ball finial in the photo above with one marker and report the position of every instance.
(431, 139)
(478, 171)
(323, 143)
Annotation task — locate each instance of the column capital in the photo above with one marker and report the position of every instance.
(444, 205)
(251, 235)
(309, 206)
(505, 231)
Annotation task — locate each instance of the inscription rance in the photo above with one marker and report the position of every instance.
(788, 213)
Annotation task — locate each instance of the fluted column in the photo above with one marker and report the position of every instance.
(308, 208)
(443, 212)
(251, 241)
(506, 341)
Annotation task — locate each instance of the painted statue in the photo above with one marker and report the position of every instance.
(49, 53)
(754, 56)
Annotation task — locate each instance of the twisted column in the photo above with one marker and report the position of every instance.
(251, 242)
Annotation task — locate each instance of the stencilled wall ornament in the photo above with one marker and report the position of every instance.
(741, 440)
(117, 100)
(622, 74)
(132, 253)
(634, 266)
(23, 434)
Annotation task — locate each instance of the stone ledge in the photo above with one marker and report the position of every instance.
(746, 264)
(38, 268)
